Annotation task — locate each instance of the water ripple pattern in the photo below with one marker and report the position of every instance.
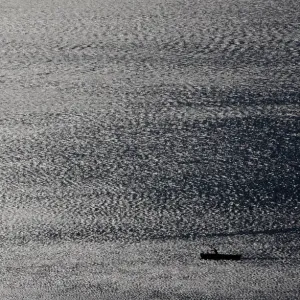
(131, 120)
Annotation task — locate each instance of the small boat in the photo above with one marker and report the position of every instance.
(220, 256)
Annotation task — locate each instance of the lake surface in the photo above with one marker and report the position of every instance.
(146, 129)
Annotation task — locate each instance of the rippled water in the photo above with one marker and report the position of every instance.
(145, 120)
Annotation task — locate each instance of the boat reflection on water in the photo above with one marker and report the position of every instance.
(220, 256)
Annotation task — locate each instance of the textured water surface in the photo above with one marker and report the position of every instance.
(146, 270)
(125, 121)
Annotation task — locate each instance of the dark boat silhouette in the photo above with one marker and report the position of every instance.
(220, 256)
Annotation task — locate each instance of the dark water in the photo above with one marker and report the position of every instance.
(130, 120)
(135, 134)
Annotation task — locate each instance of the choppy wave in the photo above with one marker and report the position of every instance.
(149, 120)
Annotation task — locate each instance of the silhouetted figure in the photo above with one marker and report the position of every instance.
(215, 251)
